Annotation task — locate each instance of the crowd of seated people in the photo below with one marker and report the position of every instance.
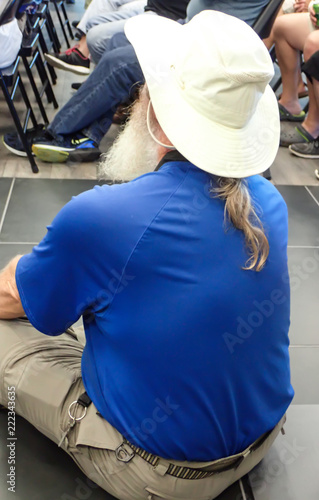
(78, 128)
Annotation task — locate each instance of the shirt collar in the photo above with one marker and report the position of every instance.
(170, 156)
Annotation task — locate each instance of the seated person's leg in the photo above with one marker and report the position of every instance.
(99, 37)
(95, 102)
(93, 106)
(306, 145)
(96, 8)
(43, 372)
(107, 16)
(290, 33)
(125, 12)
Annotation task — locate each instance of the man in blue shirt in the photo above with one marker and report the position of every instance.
(180, 276)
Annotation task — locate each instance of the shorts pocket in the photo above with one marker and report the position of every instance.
(97, 432)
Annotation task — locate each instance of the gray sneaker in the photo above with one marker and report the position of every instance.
(306, 150)
(290, 134)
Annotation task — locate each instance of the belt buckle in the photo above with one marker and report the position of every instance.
(124, 453)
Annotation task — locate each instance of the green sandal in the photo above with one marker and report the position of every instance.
(286, 116)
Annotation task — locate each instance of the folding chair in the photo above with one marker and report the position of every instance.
(10, 78)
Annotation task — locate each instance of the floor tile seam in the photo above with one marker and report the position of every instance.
(303, 346)
(19, 242)
(303, 247)
(6, 204)
(312, 195)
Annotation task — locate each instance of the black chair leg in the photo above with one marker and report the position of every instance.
(25, 97)
(44, 49)
(67, 22)
(35, 90)
(17, 123)
(61, 23)
(52, 32)
(45, 81)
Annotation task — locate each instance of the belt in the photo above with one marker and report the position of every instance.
(207, 469)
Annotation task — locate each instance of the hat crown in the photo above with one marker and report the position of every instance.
(221, 73)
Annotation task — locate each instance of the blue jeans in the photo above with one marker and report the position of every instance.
(92, 107)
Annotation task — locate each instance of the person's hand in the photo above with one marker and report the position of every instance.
(313, 16)
(300, 6)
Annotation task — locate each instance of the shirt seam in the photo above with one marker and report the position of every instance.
(142, 235)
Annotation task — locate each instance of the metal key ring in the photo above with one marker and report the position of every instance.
(76, 419)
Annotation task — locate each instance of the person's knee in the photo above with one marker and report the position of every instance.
(96, 44)
(311, 45)
(280, 28)
(92, 38)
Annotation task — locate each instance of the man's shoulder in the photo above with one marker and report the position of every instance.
(261, 187)
(123, 203)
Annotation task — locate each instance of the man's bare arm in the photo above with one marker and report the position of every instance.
(10, 303)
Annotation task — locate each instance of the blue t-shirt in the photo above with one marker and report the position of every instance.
(187, 353)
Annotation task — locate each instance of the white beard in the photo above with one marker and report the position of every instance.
(134, 152)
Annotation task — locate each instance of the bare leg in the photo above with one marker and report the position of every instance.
(270, 40)
(311, 123)
(290, 33)
(301, 85)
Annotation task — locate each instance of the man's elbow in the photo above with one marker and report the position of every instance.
(10, 302)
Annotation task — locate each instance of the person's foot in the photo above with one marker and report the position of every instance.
(317, 173)
(13, 142)
(308, 150)
(72, 60)
(77, 148)
(294, 135)
(286, 116)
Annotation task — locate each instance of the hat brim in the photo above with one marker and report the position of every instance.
(211, 146)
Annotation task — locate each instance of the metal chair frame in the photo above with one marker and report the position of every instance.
(10, 77)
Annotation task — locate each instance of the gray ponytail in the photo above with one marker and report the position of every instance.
(239, 210)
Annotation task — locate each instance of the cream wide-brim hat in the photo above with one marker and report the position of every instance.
(208, 83)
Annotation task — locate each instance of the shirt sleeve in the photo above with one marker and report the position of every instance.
(76, 268)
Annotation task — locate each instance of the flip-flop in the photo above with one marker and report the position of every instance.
(286, 116)
(294, 135)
